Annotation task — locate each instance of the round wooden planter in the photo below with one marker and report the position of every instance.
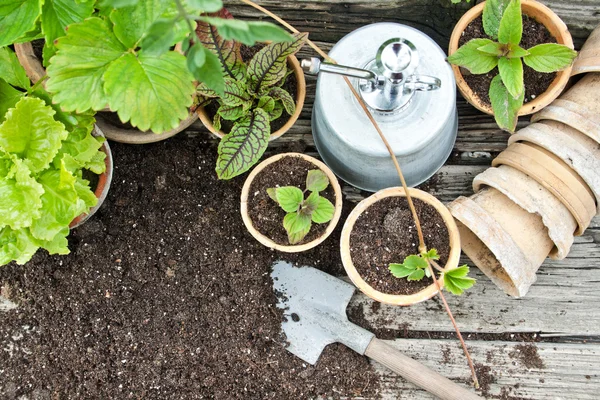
(506, 242)
(266, 240)
(534, 198)
(103, 185)
(588, 59)
(554, 175)
(34, 69)
(399, 300)
(541, 14)
(300, 96)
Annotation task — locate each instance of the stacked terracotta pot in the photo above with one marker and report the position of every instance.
(542, 190)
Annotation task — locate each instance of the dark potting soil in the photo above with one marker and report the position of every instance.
(528, 355)
(290, 85)
(38, 48)
(385, 233)
(536, 83)
(266, 215)
(165, 295)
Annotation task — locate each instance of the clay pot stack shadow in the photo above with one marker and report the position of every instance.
(543, 190)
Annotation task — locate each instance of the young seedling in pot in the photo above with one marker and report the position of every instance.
(301, 211)
(503, 22)
(416, 267)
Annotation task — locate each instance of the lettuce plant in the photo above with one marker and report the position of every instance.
(253, 96)
(301, 212)
(416, 267)
(43, 153)
(503, 21)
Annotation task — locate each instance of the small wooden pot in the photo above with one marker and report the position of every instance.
(268, 241)
(104, 181)
(543, 15)
(588, 59)
(506, 242)
(398, 300)
(554, 175)
(300, 96)
(569, 113)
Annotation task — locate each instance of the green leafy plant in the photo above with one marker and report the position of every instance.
(252, 97)
(503, 22)
(302, 212)
(416, 267)
(43, 153)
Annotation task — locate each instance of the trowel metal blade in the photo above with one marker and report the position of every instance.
(314, 305)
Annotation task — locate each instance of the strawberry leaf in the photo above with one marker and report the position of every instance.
(416, 275)
(432, 254)
(205, 67)
(11, 70)
(549, 57)
(17, 17)
(504, 105)
(457, 281)
(511, 72)
(289, 198)
(9, 96)
(511, 25)
(400, 270)
(132, 22)
(469, 57)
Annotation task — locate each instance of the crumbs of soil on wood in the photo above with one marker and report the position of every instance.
(528, 355)
(485, 377)
(165, 295)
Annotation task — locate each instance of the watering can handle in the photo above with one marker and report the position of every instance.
(417, 373)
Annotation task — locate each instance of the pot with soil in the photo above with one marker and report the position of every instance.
(540, 26)
(297, 175)
(381, 230)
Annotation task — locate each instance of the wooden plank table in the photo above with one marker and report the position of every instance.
(561, 311)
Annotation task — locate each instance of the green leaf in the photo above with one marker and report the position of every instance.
(231, 113)
(31, 133)
(206, 68)
(505, 106)
(272, 192)
(76, 71)
(316, 180)
(310, 205)
(400, 270)
(286, 99)
(469, 57)
(457, 281)
(117, 3)
(269, 65)
(415, 262)
(85, 193)
(295, 238)
(248, 32)
(9, 96)
(58, 244)
(324, 212)
(17, 17)
(132, 22)
(516, 51)
(235, 93)
(57, 15)
(289, 198)
(17, 245)
(549, 57)
(207, 6)
(11, 70)
(511, 25)
(159, 38)
(511, 72)
(296, 222)
(492, 15)
(149, 91)
(83, 148)
(20, 197)
(217, 121)
(244, 145)
(432, 254)
(416, 275)
(493, 48)
(276, 112)
(267, 103)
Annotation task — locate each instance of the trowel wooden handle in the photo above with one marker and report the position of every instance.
(415, 372)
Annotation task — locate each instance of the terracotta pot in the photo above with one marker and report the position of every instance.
(578, 151)
(399, 300)
(103, 185)
(506, 242)
(34, 69)
(588, 59)
(300, 96)
(266, 240)
(572, 114)
(554, 175)
(543, 15)
(527, 193)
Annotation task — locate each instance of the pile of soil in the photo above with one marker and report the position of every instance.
(165, 295)
(266, 215)
(385, 233)
(536, 83)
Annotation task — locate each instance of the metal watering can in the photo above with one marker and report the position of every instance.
(409, 88)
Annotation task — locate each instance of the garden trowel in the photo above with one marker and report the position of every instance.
(314, 305)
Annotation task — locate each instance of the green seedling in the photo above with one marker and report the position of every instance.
(416, 267)
(503, 22)
(302, 212)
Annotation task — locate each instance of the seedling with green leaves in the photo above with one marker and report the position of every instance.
(503, 22)
(416, 267)
(302, 212)
(253, 96)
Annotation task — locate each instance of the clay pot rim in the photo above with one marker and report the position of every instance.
(400, 300)
(300, 97)
(530, 8)
(268, 242)
(104, 181)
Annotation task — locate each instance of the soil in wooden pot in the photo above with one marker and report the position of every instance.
(290, 85)
(266, 215)
(385, 233)
(536, 83)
